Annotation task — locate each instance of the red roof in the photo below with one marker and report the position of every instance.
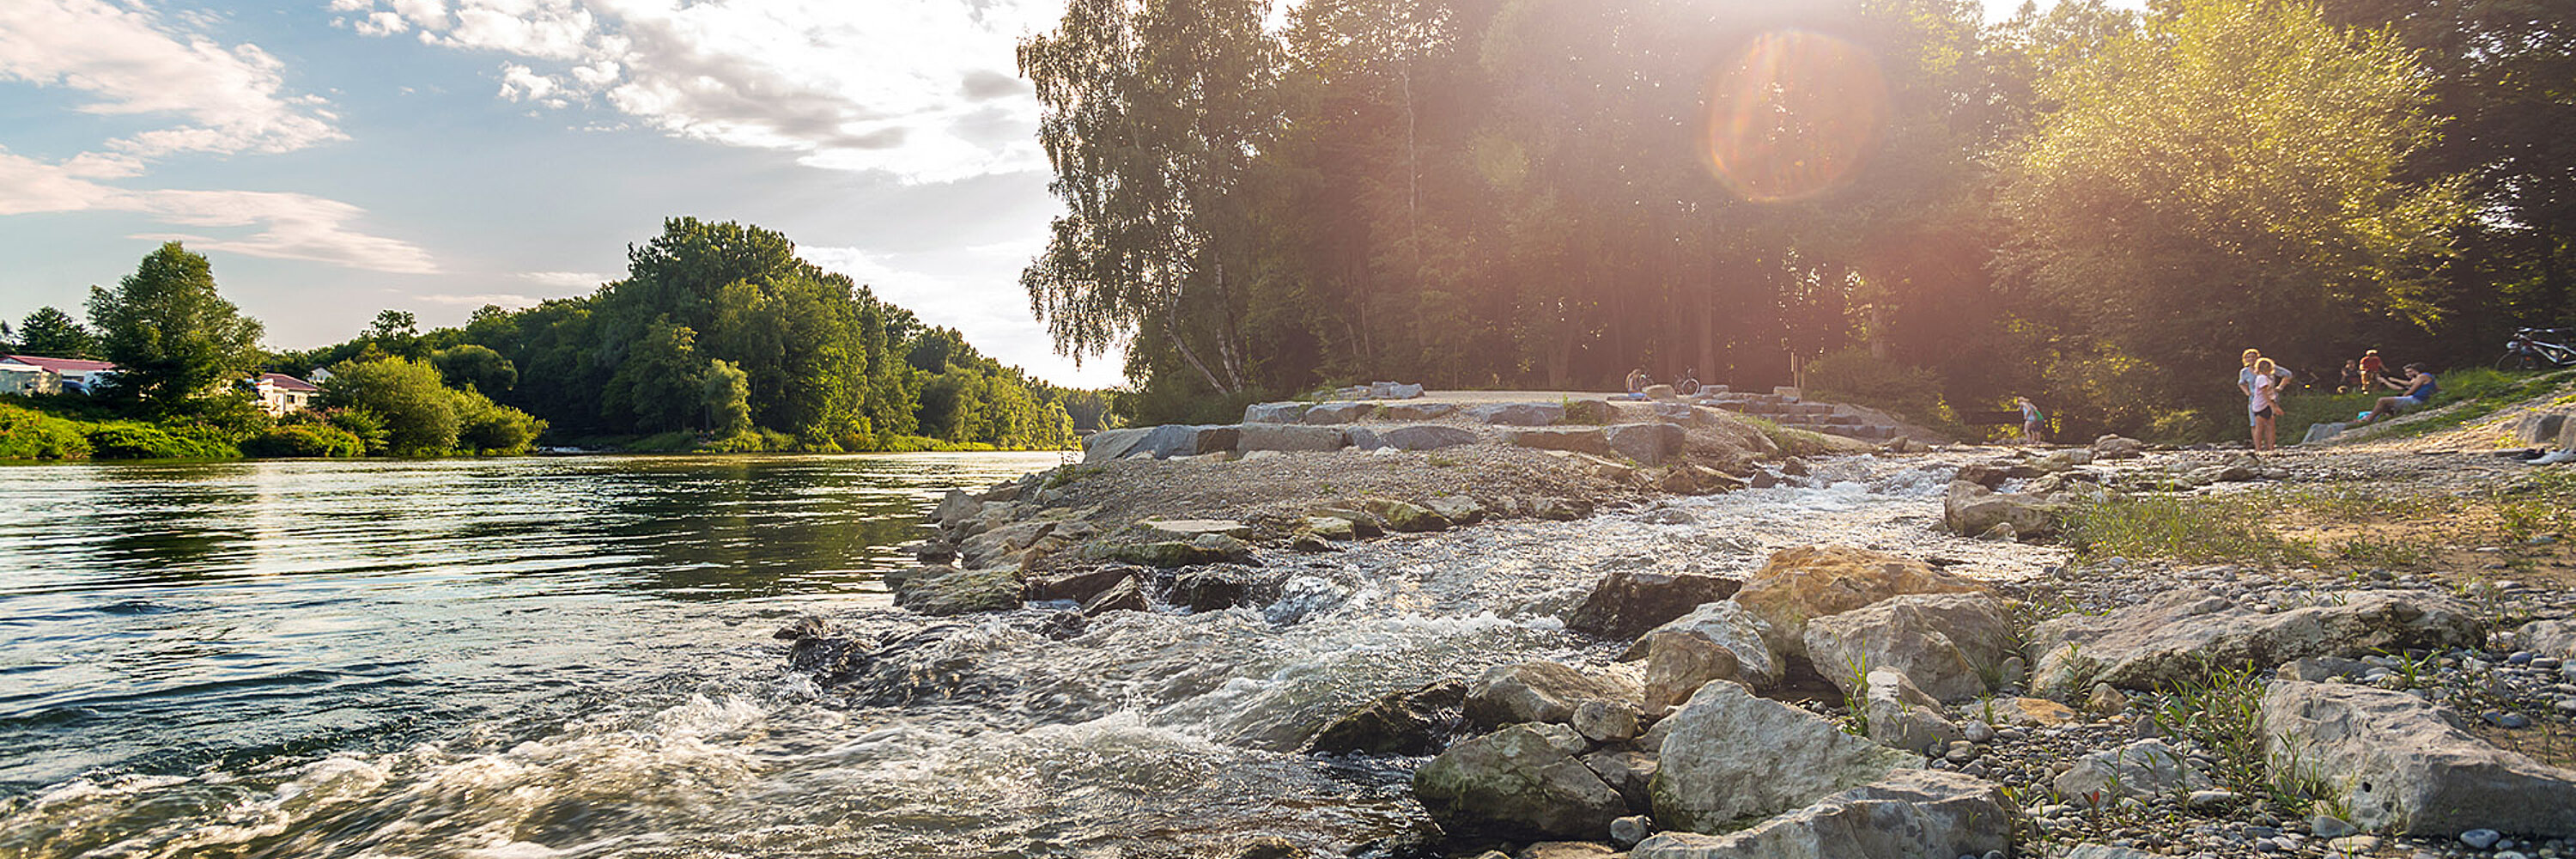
(285, 382)
(62, 365)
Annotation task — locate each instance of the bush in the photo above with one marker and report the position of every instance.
(26, 434)
(305, 440)
(1854, 376)
(125, 440)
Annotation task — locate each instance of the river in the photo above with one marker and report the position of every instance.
(573, 657)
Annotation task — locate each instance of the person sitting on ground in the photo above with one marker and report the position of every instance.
(2353, 381)
(1637, 383)
(2262, 402)
(2032, 422)
(2420, 389)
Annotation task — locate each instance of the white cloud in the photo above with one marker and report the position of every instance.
(507, 301)
(283, 226)
(916, 88)
(131, 61)
(1001, 329)
(566, 279)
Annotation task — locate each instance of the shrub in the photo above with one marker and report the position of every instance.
(26, 434)
(123, 440)
(305, 440)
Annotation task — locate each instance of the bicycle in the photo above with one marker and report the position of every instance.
(1689, 385)
(2526, 351)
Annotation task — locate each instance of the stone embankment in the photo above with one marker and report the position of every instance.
(1843, 703)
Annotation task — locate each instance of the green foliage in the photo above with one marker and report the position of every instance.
(2182, 527)
(26, 434)
(307, 440)
(726, 396)
(132, 440)
(364, 426)
(419, 415)
(488, 428)
(171, 336)
(1855, 376)
(475, 366)
(52, 333)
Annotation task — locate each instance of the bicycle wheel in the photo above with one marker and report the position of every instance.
(2518, 362)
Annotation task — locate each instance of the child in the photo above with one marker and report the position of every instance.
(2032, 422)
(2262, 402)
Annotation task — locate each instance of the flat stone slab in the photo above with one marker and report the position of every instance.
(1288, 437)
(1184, 529)
(2174, 640)
(2404, 764)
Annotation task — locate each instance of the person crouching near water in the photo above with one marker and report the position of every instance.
(2262, 402)
(2032, 422)
(1637, 383)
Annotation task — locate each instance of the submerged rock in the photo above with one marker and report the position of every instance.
(951, 590)
(1414, 722)
(1217, 587)
(2402, 763)
(1203, 549)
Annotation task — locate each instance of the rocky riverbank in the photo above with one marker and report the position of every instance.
(1841, 701)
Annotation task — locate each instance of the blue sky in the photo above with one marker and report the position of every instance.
(335, 158)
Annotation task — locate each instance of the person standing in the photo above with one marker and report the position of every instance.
(2032, 422)
(2262, 401)
(2372, 370)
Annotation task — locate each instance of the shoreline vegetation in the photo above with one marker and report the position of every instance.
(719, 340)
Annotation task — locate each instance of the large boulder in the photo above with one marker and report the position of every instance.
(1338, 413)
(1404, 516)
(1524, 782)
(1730, 625)
(2176, 639)
(2403, 763)
(1627, 603)
(952, 590)
(1729, 757)
(1591, 440)
(1288, 437)
(1217, 587)
(1800, 584)
(1160, 442)
(2540, 429)
(2145, 768)
(1679, 662)
(1203, 549)
(1425, 436)
(2555, 638)
(1909, 814)
(1970, 509)
(1110, 444)
(1079, 585)
(2117, 447)
(1415, 411)
(1648, 444)
(1948, 644)
(1412, 722)
(1540, 692)
(1902, 716)
(982, 549)
(1275, 413)
(1518, 414)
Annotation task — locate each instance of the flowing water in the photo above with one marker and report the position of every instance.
(573, 657)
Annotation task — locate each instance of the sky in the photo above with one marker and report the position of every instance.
(337, 158)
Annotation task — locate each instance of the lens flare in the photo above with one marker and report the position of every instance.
(1793, 116)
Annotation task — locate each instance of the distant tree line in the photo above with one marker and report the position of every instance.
(2094, 206)
(720, 336)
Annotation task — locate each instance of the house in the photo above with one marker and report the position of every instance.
(24, 380)
(77, 375)
(280, 393)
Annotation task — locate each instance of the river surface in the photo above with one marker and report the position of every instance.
(573, 658)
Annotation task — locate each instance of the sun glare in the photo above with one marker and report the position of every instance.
(1793, 115)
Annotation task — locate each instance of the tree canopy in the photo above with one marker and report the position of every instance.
(170, 335)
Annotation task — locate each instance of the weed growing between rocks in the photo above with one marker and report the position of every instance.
(2189, 528)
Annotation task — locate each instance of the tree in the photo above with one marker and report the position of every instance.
(54, 334)
(419, 414)
(1151, 118)
(2230, 174)
(726, 395)
(172, 337)
(397, 332)
(476, 367)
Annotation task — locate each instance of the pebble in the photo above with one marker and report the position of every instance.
(2330, 826)
(1978, 731)
(2481, 839)
(2210, 798)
